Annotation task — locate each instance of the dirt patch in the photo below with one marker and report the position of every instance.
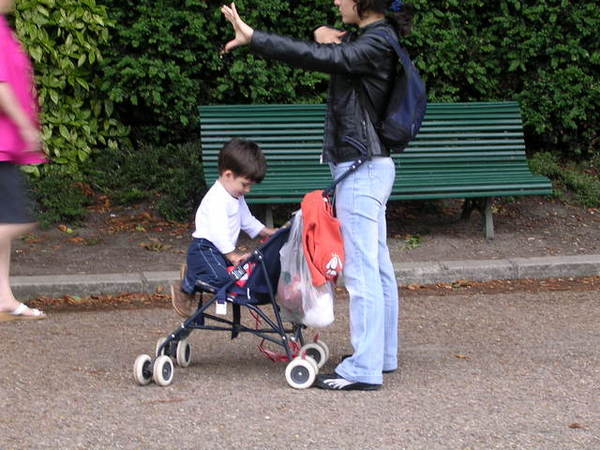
(135, 239)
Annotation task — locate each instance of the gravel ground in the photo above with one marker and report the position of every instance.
(517, 370)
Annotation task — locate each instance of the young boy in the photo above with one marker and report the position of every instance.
(221, 215)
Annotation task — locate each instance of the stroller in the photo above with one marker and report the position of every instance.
(304, 359)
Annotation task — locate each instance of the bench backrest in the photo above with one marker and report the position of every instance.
(462, 150)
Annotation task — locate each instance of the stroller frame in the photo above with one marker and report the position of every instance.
(304, 359)
(197, 321)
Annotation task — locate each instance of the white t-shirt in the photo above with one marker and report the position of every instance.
(220, 217)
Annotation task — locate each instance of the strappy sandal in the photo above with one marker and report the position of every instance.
(22, 312)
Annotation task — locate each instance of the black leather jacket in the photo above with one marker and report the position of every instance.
(364, 57)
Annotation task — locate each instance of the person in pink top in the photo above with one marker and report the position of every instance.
(19, 144)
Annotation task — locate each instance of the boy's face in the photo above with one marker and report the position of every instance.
(235, 185)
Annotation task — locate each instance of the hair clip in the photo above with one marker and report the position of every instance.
(396, 5)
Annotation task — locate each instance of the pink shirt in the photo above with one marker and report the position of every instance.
(16, 70)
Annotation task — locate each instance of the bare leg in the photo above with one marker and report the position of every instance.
(8, 232)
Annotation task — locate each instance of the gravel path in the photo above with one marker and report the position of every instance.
(496, 371)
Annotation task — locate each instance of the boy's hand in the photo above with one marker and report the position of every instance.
(327, 35)
(236, 258)
(268, 232)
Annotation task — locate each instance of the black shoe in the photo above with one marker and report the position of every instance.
(334, 382)
(384, 371)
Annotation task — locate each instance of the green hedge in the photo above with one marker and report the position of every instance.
(63, 37)
(169, 177)
(164, 61)
(544, 53)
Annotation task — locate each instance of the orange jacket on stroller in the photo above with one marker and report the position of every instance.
(321, 238)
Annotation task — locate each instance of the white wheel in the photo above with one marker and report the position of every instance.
(300, 373)
(158, 344)
(316, 352)
(184, 353)
(162, 372)
(142, 370)
(311, 360)
(325, 347)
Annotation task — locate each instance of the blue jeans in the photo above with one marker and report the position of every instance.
(368, 273)
(205, 263)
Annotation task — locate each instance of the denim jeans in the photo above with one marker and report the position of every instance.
(205, 263)
(368, 273)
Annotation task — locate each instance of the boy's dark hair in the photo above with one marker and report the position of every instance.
(401, 20)
(244, 158)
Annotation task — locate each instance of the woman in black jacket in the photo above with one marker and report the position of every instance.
(362, 66)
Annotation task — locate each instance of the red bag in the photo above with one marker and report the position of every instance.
(321, 238)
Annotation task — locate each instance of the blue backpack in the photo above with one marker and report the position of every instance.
(407, 103)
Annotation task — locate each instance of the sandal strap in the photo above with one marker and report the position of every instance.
(19, 310)
(23, 308)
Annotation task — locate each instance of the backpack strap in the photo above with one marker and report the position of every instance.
(400, 51)
(404, 60)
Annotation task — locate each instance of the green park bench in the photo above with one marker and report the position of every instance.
(474, 151)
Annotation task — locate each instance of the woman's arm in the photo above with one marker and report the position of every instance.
(353, 57)
(356, 57)
(9, 106)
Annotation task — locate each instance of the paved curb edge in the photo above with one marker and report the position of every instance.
(406, 273)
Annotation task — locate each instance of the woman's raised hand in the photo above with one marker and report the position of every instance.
(243, 33)
(328, 35)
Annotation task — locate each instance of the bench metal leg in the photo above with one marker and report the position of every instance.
(488, 219)
(269, 216)
(484, 206)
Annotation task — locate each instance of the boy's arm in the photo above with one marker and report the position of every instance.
(248, 223)
(266, 232)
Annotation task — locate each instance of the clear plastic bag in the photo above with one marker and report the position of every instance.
(301, 302)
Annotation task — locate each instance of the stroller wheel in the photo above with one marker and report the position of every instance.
(300, 373)
(184, 353)
(313, 362)
(163, 370)
(316, 352)
(325, 347)
(142, 370)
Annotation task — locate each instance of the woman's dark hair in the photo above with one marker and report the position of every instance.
(244, 158)
(401, 20)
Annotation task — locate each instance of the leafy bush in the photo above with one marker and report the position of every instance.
(581, 179)
(63, 38)
(163, 61)
(168, 176)
(544, 53)
(58, 198)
